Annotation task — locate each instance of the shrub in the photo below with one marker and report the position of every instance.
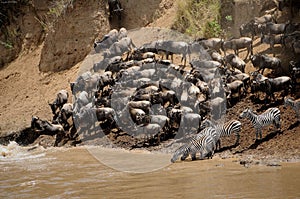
(198, 18)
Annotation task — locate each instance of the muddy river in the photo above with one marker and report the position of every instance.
(94, 172)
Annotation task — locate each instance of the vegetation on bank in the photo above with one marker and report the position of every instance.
(9, 11)
(198, 18)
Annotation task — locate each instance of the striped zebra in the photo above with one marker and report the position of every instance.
(211, 132)
(270, 116)
(294, 104)
(204, 145)
(233, 126)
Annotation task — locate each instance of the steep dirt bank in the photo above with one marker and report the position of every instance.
(73, 35)
(25, 91)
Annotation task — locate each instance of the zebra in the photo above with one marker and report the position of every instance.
(204, 144)
(294, 104)
(233, 126)
(270, 116)
(211, 132)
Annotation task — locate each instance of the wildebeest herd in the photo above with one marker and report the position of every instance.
(139, 92)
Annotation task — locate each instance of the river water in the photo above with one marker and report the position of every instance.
(79, 173)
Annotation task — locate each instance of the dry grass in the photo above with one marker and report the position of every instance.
(198, 18)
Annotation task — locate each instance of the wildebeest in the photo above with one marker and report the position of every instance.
(144, 105)
(205, 64)
(272, 40)
(248, 29)
(235, 62)
(173, 47)
(47, 128)
(106, 41)
(296, 47)
(65, 113)
(166, 97)
(237, 44)
(161, 120)
(272, 28)
(235, 87)
(211, 43)
(245, 78)
(271, 85)
(263, 61)
(190, 120)
(60, 100)
(216, 56)
(80, 101)
(253, 27)
(265, 19)
(294, 68)
(122, 33)
(106, 114)
(217, 107)
(119, 47)
(138, 115)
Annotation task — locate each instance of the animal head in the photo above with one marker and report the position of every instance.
(53, 107)
(245, 113)
(287, 101)
(206, 123)
(34, 119)
(140, 116)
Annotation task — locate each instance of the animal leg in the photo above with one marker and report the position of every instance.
(184, 156)
(248, 51)
(218, 144)
(278, 125)
(256, 134)
(260, 134)
(237, 139)
(193, 156)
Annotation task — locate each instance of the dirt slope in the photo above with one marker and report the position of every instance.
(25, 91)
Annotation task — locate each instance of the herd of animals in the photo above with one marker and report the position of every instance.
(141, 92)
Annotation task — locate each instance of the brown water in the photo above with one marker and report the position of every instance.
(75, 173)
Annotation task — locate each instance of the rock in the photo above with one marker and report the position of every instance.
(273, 164)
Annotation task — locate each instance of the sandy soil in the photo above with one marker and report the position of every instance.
(26, 92)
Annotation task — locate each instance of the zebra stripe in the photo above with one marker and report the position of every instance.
(198, 144)
(211, 132)
(270, 116)
(233, 126)
(294, 104)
